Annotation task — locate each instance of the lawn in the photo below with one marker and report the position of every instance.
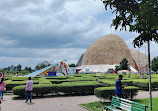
(97, 105)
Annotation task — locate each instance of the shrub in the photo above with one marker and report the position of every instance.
(56, 81)
(108, 82)
(44, 81)
(40, 89)
(10, 84)
(143, 84)
(127, 82)
(108, 92)
(69, 87)
(84, 87)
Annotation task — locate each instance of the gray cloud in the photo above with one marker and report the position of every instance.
(35, 30)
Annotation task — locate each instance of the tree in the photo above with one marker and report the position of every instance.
(140, 15)
(28, 69)
(72, 65)
(42, 65)
(154, 63)
(117, 68)
(19, 67)
(123, 65)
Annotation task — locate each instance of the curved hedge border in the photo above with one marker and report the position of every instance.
(10, 84)
(69, 88)
(108, 92)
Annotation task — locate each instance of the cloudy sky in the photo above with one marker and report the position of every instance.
(32, 31)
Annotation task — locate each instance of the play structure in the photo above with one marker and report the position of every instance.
(52, 70)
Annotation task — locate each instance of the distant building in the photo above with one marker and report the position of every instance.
(107, 52)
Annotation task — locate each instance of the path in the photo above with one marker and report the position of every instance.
(69, 103)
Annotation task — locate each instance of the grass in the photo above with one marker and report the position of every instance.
(97, 105)
(146, 102)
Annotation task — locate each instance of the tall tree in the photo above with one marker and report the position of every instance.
(154, 64)
(142, 17)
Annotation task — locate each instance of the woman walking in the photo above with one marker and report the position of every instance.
(2, 88)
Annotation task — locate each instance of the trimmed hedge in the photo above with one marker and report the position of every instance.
(108, 92)
(44, 81)
(10, 84)
(69, 88)
(57, 81)
(144, 84)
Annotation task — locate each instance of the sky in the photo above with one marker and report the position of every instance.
(33, 31)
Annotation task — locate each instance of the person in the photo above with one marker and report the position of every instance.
(2, 88)
(119, 87)
(28, 89)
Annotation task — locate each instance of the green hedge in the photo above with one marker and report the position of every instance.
(11, 84)
(57, 81)
(108, 92)
(44, 81)
(107, 82)
(68, 88)
(144, 84)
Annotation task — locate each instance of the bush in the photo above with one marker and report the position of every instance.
(44, 81)
(108, 82)
(144, 84)
(108, 92)
(69, 88)
(57, 81)
(84, 87)
(10, 84)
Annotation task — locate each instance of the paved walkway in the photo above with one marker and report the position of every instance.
(69, 103)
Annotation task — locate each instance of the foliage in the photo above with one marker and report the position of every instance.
(28, 69)
(154, 65)
(42, 65)
(10, 84)
(117, 68)
(19, 67)
(72, 65)
(44, 81)
(144, 84)
(123, 65)
(68, 88)
(139, 15)
(108, 92)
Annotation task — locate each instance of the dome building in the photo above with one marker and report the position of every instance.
(105, 53)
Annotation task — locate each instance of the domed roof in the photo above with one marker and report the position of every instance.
(109, 49)
(139, 57)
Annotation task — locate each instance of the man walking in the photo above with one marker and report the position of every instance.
(119, 87)
(28, 89)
